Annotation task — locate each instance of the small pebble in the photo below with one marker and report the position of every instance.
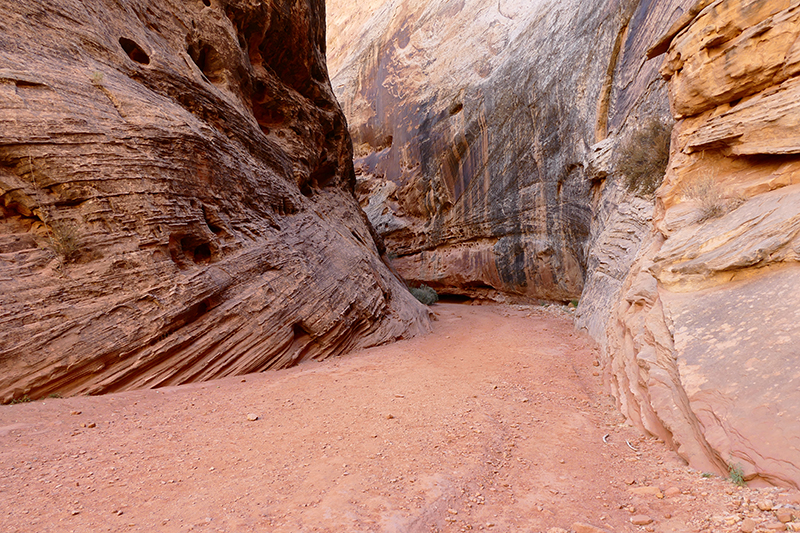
(641, 520)
(765, 505)
(786, 515)
(252, 417)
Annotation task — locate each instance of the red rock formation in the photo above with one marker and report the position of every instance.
(470, 122)
(176, 197)
(702, 345)
(487, 141)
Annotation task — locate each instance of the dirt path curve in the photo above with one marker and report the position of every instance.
(494, 422)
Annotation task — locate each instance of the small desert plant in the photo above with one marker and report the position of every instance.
(64, 240)
(63, 236)
(425, 294)
(711, 196)
(24, 399)
(736, 474)
(643, 158)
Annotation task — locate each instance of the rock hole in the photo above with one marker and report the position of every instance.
(134, 51)
(202, 254)
(207, 3)
(323, 175)
(735, 102)
(214, 222)
(266, 110)
(456, 108)
(28, 83)
(216, 230)
(208, 61)
(189, 248)
(455, 298)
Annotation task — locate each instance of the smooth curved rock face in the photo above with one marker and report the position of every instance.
(472, 122)
(177, 197)
(703, 343)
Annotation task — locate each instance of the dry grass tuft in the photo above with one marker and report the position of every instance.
(643, 158)
(713, 200)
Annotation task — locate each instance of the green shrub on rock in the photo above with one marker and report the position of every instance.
(425, 294)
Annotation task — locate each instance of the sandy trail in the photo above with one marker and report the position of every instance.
(493, 422)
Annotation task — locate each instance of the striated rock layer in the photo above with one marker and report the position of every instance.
(702, 346)
(472, 121)
(176, 190)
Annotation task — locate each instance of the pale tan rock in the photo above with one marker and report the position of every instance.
(748, 525)
(579, 527)
(176, 198)
(785, 514)
(766, 123)
(700, 357)
(646, 491)
(765, 505)
(731, 50)
(641, 520)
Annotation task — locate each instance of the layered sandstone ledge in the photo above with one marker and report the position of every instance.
(176, 189)
(702, 347)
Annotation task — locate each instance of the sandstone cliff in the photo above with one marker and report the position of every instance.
(702, 345)
(472, 121)
(488, 144)
(177, 197)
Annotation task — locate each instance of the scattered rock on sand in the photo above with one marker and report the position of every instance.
(579, 527)
(641, 520)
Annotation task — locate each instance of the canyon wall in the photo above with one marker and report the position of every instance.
(177, 203)
(489, 138)
(472, 123)
(702, 345)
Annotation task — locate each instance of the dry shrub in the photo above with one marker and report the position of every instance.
(643, 158)
(711, 196)
(64, 241)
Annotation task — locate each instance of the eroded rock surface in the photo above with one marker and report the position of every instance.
(487, 138)
(177, 197)
(472, 122)
(703, 345)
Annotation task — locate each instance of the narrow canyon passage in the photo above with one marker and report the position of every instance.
(496, 421)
